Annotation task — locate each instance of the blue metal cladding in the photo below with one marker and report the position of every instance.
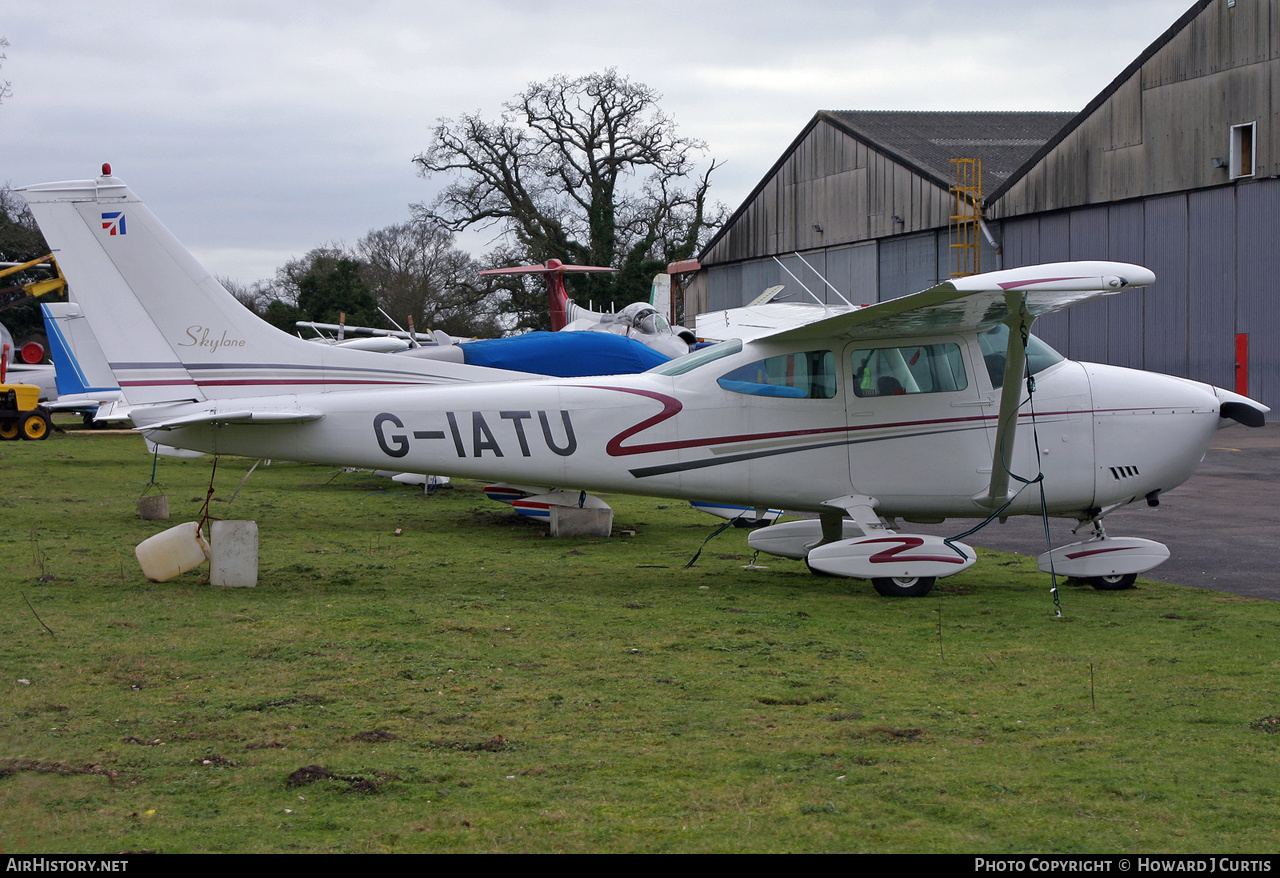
(1257, 253)
(1126, 235)
(1211, 285)
(1020, 240)
(893, 270)
(1215, 252)
(724, 287)
(1164, 327)
(1055, 246)
(1088, 325)
(922, 262)
(908, 265)
(853, 271)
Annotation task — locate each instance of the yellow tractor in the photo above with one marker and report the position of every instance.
(21, 413)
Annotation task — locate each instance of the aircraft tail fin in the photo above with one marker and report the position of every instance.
(562, 308)
(81, 366)
(170, 331)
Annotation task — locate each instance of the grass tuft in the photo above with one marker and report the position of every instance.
(430, 673)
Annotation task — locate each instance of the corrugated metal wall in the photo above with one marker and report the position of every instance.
(1167, 127)
(851, 269)
(1216, 255)
(863, 273)
(830, 190)
(1257, 273)
(1135, 181)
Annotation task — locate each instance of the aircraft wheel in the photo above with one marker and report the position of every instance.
(9, 428)
(35, 426)
(815, 571)
(904, 586)
(1118, 582)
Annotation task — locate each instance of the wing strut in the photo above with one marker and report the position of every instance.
(1019, 322)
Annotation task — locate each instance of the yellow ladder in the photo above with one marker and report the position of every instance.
(965, 227)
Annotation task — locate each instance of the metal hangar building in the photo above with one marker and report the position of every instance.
(1175, 166)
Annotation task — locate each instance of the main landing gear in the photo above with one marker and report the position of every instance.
(908, 565)
(861, 546)
(904, 586)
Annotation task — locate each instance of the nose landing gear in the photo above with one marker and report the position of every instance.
(1106, 563)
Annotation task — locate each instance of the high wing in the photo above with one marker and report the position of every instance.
(978, 302)
(753, 321)
(1015, 297)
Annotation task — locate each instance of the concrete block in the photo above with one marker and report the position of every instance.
(570, 521)
(154, 508)
(233, 554)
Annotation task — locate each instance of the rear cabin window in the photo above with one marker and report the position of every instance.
(810, 375)
(931, 368)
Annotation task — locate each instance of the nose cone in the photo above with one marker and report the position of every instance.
(1150, 430)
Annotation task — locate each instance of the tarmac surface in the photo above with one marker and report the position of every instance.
(1222, 526)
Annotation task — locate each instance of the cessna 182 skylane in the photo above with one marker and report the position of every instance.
(914, 408)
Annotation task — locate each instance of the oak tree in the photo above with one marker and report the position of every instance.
(588, 170)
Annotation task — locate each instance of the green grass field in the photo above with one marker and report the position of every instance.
(471, 685)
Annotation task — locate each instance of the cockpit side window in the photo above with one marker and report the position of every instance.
(995, 343)
(930, 368)
(809, 375)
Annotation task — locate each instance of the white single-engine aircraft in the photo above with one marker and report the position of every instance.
(916, 408)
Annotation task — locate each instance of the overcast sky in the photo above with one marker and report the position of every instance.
(258, 130)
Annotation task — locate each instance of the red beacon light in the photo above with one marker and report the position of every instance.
(106, 169)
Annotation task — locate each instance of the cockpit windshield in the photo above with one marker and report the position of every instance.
(645, 318)
(652, 322)
(995, 343)
(691, 361)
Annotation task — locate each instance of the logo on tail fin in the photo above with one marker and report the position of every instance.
(113, 222)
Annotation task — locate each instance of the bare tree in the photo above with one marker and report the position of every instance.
(586, 170)
(5, 89)
(21, 241)
(254, 296)
(291, 276)
(414, 270)
(20, 237)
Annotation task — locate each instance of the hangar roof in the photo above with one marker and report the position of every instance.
(922, 142)
(927, 140)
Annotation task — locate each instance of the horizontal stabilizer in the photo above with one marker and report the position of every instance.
(237, 417)
(170, 451)
(538, 506)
